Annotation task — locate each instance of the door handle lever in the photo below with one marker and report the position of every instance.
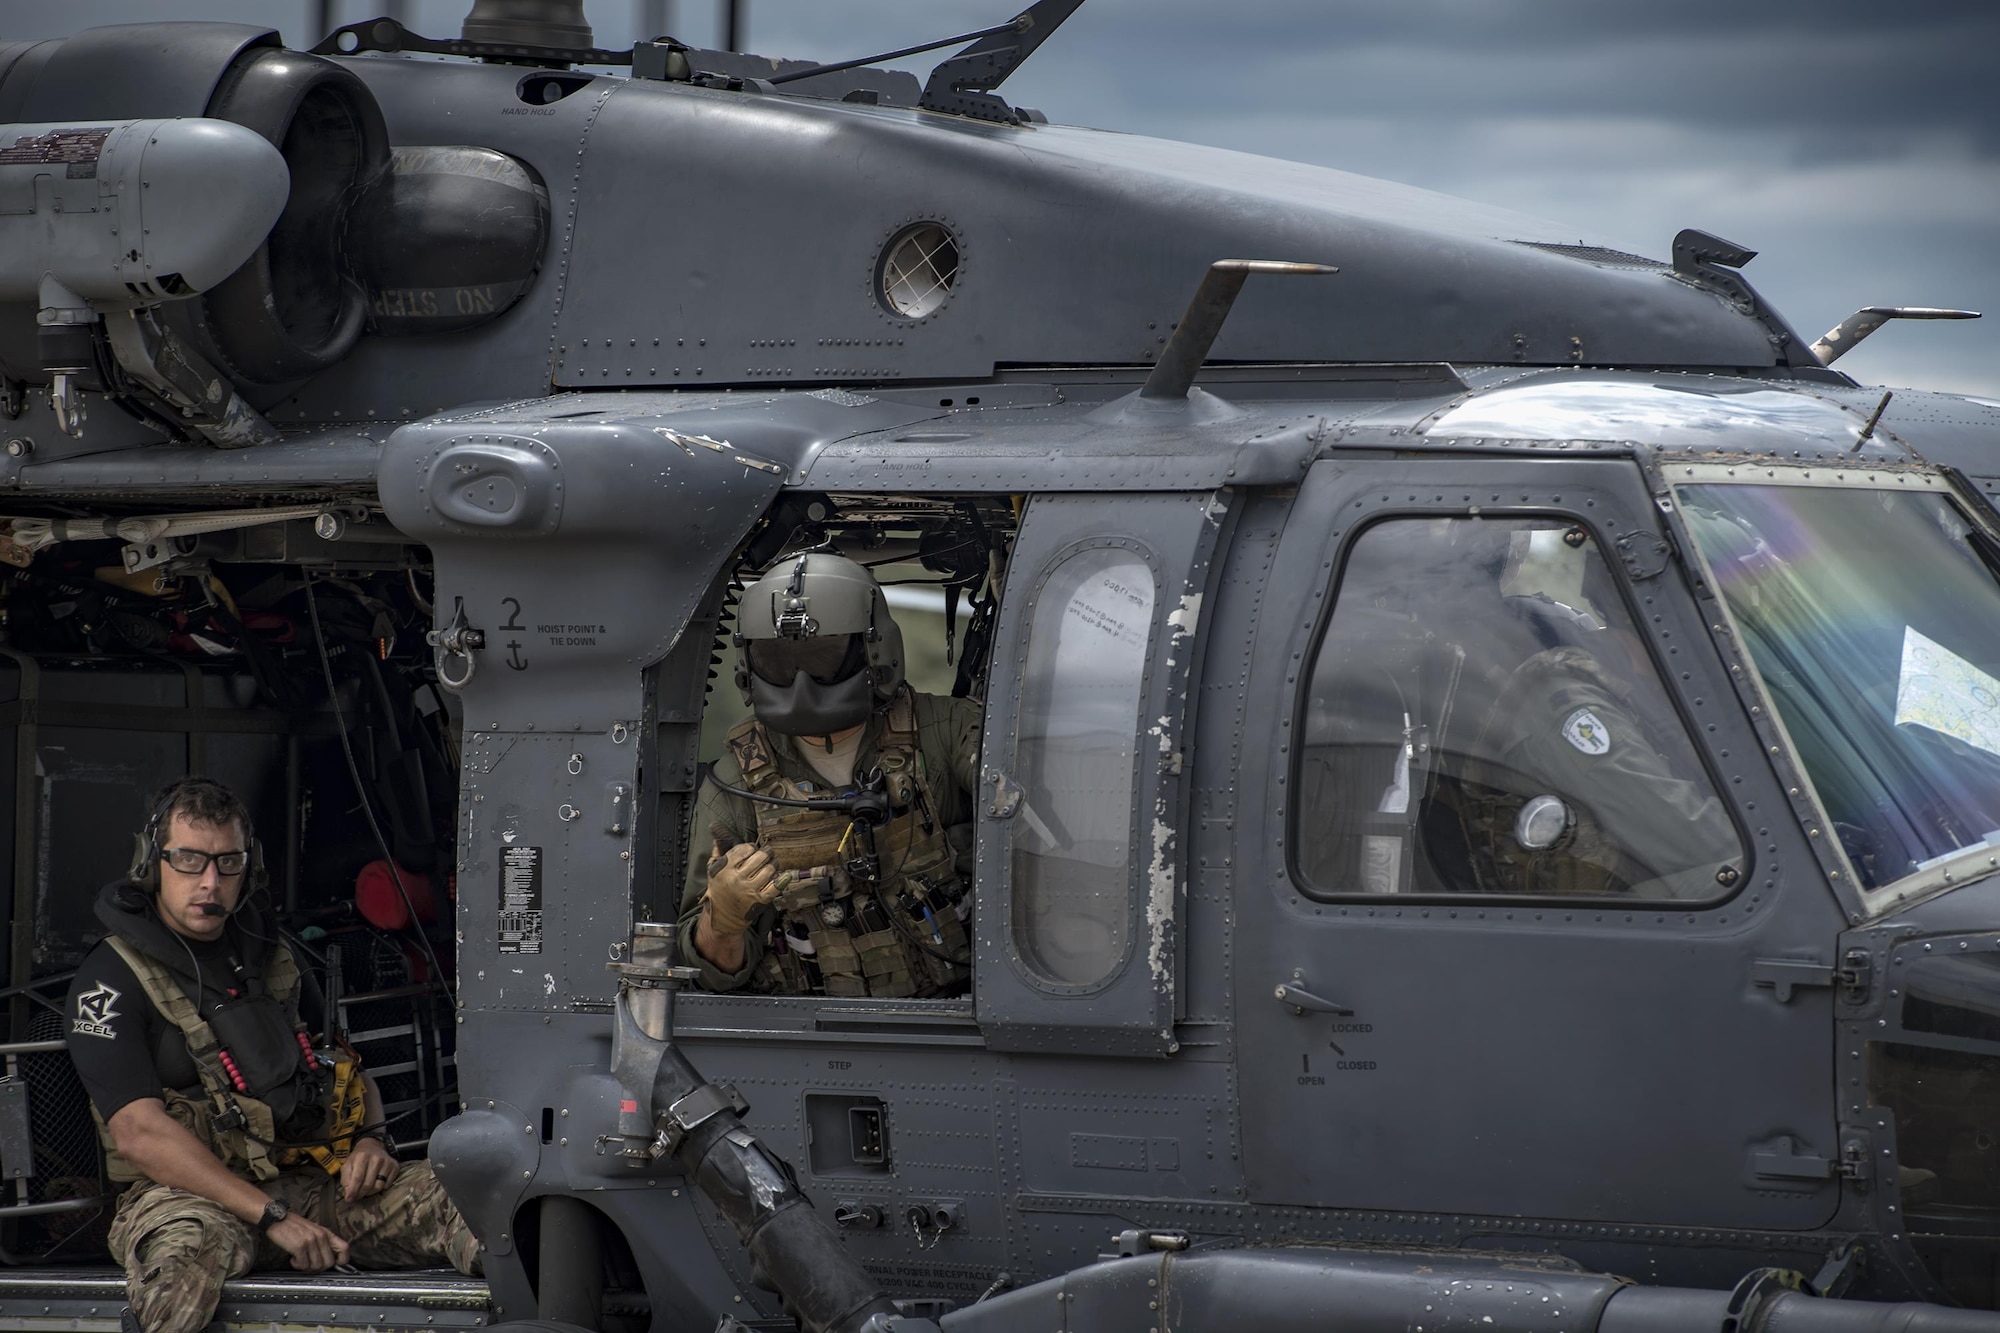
(1291, 993)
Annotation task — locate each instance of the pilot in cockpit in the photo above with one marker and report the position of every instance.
(1604, 793)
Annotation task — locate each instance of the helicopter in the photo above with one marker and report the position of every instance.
(392, 430)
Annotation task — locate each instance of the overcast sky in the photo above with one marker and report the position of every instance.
(1854, 143)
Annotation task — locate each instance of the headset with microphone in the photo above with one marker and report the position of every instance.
(144, 872)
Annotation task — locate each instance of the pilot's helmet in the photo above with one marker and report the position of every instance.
(816, 648)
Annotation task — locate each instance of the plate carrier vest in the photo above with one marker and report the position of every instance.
(237, 1128)
(833, 935)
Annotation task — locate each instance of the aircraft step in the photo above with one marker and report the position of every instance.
(90, 1299)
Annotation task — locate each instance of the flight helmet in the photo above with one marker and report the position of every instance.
(816, 648)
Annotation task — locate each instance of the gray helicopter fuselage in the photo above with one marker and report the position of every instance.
(1352, 1086)
(1594, 1082)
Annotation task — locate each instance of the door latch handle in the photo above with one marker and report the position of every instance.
(1289, 992)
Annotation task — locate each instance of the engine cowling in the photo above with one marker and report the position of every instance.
(296, 306)
(361, 240)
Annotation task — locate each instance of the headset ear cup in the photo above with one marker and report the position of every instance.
(258, 878)
(145, 869)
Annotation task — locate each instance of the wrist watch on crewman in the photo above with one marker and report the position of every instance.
(276, 1211)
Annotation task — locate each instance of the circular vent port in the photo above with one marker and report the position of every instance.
(919, 266)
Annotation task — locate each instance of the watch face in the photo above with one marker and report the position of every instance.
(276, 1211)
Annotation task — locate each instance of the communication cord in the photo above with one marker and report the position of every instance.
(367, 806)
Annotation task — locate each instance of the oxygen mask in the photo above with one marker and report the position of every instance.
(811, 686)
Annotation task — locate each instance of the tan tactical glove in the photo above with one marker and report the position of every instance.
(739, 881)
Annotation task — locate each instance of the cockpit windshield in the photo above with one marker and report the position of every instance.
(1873, 617)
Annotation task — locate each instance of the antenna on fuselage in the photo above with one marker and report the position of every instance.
(1185, 352)
(1841, 338)
(964, 84)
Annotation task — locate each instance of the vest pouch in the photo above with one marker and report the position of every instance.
(885, 964)
(819, 896)
(896, 777)
(307, 1121)
(191, 1114)
(260, 1040)
(244, 1149)
(338, 1115)
(791, 964)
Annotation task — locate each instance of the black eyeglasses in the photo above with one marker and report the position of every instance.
(191, 862)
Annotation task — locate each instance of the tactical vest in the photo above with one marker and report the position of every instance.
(892, 925)
(239, 1129)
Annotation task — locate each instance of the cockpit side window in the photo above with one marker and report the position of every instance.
(1482, 718)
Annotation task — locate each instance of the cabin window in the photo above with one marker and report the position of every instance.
(1087, 642)
(1483, 718)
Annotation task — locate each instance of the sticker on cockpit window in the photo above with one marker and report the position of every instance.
(1587, 732)
(1941, 690)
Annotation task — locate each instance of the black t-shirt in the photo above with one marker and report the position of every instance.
(124, 1048)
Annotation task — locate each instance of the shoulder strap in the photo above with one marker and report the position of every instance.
(168, 997)
(901, 715)
(281, 974)
(899, 753)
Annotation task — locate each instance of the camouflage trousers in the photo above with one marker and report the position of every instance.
(179, 1248)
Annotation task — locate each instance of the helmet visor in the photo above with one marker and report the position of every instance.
(827, 659)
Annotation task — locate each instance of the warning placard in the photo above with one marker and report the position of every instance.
(520, 900)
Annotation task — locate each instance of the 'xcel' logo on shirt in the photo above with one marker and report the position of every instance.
(94, 1012)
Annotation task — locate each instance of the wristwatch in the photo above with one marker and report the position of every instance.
(276, 1211)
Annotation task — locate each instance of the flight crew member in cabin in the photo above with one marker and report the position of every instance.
(798, 900)
(1601, 793)
(242, 1146)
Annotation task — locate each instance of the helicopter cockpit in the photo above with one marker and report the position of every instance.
(1483, 719)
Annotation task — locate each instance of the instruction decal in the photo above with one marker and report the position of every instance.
(520, 900)
(563, 634)
(1343, 1062)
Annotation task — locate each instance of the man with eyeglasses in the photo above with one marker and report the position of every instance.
(240, 1142)
(837, 826)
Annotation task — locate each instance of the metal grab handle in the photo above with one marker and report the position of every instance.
(1302, 1000)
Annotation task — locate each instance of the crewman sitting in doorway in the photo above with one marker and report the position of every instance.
(240, 1144)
